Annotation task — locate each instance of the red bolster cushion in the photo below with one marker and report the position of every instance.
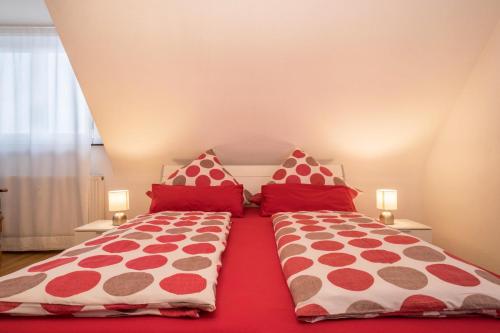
(227, 198)
(298, 197)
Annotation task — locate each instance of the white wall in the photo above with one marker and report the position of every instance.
(136, 182)
(462, 192)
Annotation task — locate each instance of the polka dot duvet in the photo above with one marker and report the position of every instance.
(163, 264)
(347, 265)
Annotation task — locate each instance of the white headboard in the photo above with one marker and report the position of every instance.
(252, 176)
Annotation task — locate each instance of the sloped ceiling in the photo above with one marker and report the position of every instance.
(166, 79)
(364, 82)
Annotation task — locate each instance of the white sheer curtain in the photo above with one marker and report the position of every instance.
(45, 134)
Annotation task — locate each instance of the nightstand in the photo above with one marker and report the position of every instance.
(91, 230)
(413, 228)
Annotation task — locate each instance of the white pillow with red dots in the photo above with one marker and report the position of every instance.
(206, 170)
(302, 168)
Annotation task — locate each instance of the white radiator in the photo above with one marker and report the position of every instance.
(97, 198)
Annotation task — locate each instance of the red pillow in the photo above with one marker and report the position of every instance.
(228, 198)
(256, 199)
(298, 197)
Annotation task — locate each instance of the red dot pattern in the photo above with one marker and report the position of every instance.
(147, 262)
(380, 256)
(295, 265)
(98, 261)
(281, 224)
(327, 245)
(401, 239)
(162, 254)
(287, 239)
(328, 256)
(317, 179)
(217, 174)
(149, 228)
(51, 264)
(184, 223)
(121, 246)
(205, 170)
(62, 310)
(365, 243)
(7, 306)
(203, 180)
(301, 168)
(279, 174)
(422, 303)
(73, 283)
(192, 170)
(325, 171)
(453, 274)
(302, 216)
(337, 259)
(297, 153)
(311, 310)
(176, 284)
(293, 179)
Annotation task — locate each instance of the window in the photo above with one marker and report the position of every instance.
(39, 94)
(45, 141)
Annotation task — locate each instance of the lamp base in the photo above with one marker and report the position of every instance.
(119, 218)
(386, 218)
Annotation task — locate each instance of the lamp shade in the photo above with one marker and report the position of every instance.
(118, 200)
(387, 199)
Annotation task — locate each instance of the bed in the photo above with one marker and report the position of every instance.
(252, 296)
(252, 292)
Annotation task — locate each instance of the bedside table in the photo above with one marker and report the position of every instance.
(413, 228)
(91, 230)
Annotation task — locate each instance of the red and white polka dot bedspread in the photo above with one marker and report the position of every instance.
(347, 265)
(163, 264)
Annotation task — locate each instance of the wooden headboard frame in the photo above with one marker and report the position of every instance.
(251, 176)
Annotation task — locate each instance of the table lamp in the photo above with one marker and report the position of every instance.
(118, 202)
(387, 200)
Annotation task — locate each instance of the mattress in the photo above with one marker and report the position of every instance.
(252, 296)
